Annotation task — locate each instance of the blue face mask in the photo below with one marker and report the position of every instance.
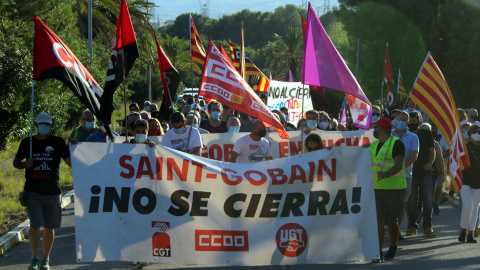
(411, 109)
(215, 115)
(400, 125)
(374, 118)
(43, 129)
(195, 125)
(465, 134)
(147, 108)
(311, 124)
(141, 138)
(89, 125)
(234, 129)
(179, 131)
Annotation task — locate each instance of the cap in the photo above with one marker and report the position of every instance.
(384, 122)
(44, 118)
(463, 122)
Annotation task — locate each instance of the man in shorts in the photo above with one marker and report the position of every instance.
(43, 186)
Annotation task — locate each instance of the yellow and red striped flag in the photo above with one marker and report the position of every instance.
(401, 86)
(432, 94)
(258, 81)
(197, 52)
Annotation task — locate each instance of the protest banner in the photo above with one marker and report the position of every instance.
(220, 146)
(289, 94)
(136, 203)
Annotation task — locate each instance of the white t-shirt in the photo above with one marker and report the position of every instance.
(179, 142)
(251, 151)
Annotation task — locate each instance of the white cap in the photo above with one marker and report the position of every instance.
(44, 118)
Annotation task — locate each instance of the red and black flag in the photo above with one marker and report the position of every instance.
(52, 59)
(170, 81)
(124, 54)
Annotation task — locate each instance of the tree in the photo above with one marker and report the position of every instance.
(288, 51)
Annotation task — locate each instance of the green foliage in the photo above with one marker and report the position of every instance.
(288, 51)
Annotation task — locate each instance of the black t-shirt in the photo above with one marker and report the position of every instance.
(43, 176)
(425, 140)
(398, 148)
(222, 128)
(471, 176)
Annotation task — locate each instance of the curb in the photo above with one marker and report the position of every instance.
(20, 233)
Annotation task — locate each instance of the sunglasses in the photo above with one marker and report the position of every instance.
(141, 121)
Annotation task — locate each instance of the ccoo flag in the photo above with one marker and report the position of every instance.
(432, 94)
(170, 81)
(222, 82)
(124, 54)
(52, 59)
(323, 66)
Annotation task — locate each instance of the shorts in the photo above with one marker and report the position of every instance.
(408, 190)
(389, 204)
(44, 210)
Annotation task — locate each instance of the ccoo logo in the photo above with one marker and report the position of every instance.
(291, 239)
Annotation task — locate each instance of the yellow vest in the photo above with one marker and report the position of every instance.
(397, 181)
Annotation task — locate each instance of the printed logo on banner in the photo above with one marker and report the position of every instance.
(218, 240)
(176, 141)
(237, 99)
(252, 146)
(291, 239)
(161, 239)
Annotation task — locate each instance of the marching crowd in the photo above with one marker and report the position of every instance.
(410, 160)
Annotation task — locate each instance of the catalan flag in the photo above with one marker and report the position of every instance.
(401, 85)
(257, 80)
(432, 94)
(197, 52)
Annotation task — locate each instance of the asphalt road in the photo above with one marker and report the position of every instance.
(415, 252)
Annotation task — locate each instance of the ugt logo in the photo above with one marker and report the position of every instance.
(161, 239)
(291, 239)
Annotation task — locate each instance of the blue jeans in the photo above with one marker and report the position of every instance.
(421, 186)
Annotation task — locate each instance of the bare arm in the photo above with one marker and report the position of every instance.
(267, 158)
(233, 157)
(197, 151)
(440, 162)
(68, 161)
(18, 164)
(431, 158)
(411, 158)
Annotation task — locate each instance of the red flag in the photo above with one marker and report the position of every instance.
(390, 96)
(124, 54)
(197, 52)
(304, 26)
(387, 67)
(52, 59)
(222, 82)
(255, 77)
(170, 81)
(225, 54)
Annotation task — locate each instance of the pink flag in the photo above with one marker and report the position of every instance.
(290, 76)
(361, 111)
(343, 116)
(322, 64)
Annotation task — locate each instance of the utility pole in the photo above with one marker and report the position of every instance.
(90, 47)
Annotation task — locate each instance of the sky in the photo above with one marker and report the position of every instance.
(169, 10)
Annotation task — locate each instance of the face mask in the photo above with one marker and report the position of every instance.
(410, 109)
(401, 125)
(272, 128)
(153, 131)
(233, 129)
(89, 125)
(324, 125)
(262, 133)
(412, 127)
(465, 134)
(286, 117)
(141, 138)
(195, 125)
(43, 129)
(102, 128)
(147, 108)
(215, 115)
(312, 124)
(475, 137)
(374, 118)
(179, 131)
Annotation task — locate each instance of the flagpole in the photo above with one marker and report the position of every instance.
(301, 115)
(31, 120)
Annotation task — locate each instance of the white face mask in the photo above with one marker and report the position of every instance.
(323, 125)
(475, 137)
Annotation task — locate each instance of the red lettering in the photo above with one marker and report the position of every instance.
(339, 142)
(300, 176)
(295, 148)
(215, 152)
(227, 151)
(283, 147)
(198, 172)
(259, 182)
(278, 176)
(332, 173)
(172, 166)
(226, 178)
(354, 143)
(311, 165)
(365, 140)
(144, 161)
(159, 168)
(125, 165)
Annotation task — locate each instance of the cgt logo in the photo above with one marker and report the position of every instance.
(161, 239)
(291, 239)
(217, 240)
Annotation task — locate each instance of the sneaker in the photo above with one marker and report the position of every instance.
(411, 231)
(462, 236)
(141, 264)
(391, 253)
(470, 239)
(44, 264)
(34, 264)
(429, 233)
(382, 259)
(436, 211)
(477, 232)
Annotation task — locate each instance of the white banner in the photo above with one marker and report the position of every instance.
(220, 146)
(135, 203)
(289, 94)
